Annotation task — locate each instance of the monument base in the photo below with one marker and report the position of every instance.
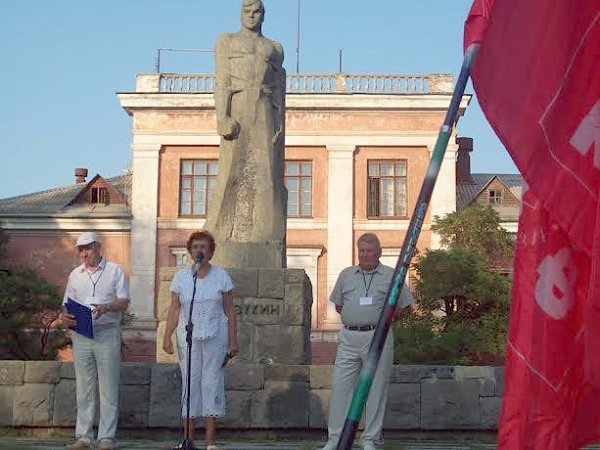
(241, 255)
(273, 315)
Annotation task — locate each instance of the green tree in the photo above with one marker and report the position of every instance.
(462, 300)
(462, 311)
(29, 306)
(458, 281)
(477, 228)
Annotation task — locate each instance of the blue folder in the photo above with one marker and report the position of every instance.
(83, 315)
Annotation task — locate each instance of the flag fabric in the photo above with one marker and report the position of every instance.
(477, 22)
(547, 402)
(537, 78)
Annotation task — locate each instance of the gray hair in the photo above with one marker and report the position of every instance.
(369, 238)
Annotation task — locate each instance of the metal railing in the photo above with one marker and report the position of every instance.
(338, 83)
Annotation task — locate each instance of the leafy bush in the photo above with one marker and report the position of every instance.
(29, 306)
(462, 303)
(417, 341)
(478, 229)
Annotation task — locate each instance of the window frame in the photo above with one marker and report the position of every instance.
(300, 177)
(208, 176)
(370, 181)
(99, 195)
(498, 197)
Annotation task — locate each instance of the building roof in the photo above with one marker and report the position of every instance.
(58, 201)
(467, 192)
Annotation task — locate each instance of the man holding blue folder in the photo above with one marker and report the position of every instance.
(97, 293)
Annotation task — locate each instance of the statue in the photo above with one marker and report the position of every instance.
(247, 212)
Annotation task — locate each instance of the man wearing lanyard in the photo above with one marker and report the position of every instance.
(102, 286)
(359, 296)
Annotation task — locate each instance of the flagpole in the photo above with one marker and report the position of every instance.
(365, 379)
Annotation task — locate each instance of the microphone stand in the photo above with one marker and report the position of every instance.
(188, 443)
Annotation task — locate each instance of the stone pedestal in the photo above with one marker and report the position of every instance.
(273, 315)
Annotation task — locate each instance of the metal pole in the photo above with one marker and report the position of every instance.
(188, 443)
(340, 61)
(298, 40)
(361, 392)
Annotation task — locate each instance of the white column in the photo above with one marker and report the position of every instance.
(443, 199)
(182, 257)
(144, 209)
(340, 198)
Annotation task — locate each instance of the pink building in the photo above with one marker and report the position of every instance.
(357, 147)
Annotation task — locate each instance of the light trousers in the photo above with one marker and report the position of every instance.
(352, 350)
(96, 364)
(207, 381)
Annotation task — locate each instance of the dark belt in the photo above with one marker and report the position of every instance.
(360, 327)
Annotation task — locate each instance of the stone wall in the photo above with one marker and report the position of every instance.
(273, 314)
(42, 394)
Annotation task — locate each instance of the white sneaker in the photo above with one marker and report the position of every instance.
(368, 446)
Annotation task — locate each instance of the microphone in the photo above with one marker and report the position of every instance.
(197, 262)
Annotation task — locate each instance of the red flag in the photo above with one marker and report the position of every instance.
(477, 21)
(537, 79)
(548, 404)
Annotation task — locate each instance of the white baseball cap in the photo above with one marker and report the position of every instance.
(87, 238)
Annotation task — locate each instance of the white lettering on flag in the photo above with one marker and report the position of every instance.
(554, 287)
(587, 134)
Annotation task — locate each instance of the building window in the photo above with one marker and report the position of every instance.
(99, 195)
(197, 181)
(298, 180)
(386, 189)
(495, 197)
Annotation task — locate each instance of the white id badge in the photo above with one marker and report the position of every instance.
(364, 301)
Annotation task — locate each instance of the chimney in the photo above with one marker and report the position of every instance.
(80, 174)
(463, 160)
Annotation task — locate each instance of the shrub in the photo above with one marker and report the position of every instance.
(29, 307)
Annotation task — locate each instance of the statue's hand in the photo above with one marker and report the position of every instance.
(228, 128)
(277, 136)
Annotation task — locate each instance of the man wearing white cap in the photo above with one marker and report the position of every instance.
(102, 286)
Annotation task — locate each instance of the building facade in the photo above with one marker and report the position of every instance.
(357, 148)
(502, 192)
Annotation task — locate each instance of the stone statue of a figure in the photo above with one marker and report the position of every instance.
(247, 212)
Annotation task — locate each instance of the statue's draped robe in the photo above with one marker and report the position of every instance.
(247, 210)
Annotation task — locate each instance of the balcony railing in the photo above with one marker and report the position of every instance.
(339, 83)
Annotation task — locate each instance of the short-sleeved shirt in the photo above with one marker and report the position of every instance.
(208, 314)
(102, 285)
(354, 283)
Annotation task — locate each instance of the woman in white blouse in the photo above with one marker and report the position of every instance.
(214, 336)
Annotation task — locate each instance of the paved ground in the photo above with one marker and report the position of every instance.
(11, 443)
(22, 443)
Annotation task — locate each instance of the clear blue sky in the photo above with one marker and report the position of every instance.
(63, 61)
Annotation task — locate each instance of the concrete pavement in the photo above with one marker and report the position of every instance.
(12, 443)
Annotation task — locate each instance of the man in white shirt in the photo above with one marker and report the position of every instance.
(359, 296)
(102, 286)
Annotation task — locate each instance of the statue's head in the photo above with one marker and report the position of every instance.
(253, 14)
